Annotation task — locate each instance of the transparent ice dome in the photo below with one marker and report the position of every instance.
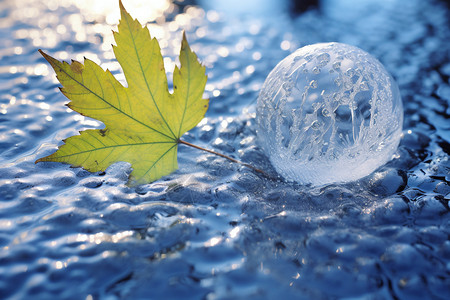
(329, 113)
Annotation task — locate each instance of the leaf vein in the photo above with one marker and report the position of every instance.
(114, 146)
(187, 93)
(146, 82)
(154, 164)
(114, 107)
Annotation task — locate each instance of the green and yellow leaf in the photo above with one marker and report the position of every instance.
(143, 122)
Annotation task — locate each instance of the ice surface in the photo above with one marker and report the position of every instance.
(327, 113)
(213, 229)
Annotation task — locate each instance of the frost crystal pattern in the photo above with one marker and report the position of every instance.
(329, 113)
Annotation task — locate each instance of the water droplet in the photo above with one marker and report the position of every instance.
(287, 86)
(336, 96)
(337, 65)
(364, 86)
(323, 59)
(348, 84)
(325, 112)
(350, 72)
(308, 58)
(344, 100)
(313, 84)
(316, 70)
(315, 125)
(316, 106)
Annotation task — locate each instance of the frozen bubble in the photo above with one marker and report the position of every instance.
(340, 119)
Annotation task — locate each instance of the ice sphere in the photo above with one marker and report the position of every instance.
(329, 113)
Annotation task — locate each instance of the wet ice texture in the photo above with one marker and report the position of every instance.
(328, 113)
(212, 229)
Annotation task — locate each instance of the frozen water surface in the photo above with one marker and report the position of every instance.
(329, 113)
(215, 230)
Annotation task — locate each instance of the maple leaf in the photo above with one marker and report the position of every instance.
(143, 122)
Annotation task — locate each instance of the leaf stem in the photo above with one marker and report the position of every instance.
(224, 156)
